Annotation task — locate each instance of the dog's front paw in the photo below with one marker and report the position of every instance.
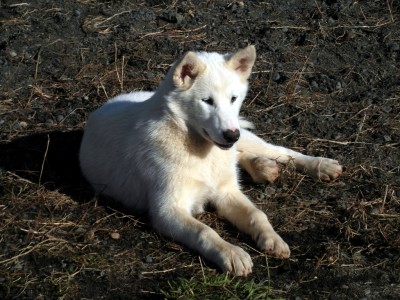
(235, 260)
(325, 169)
(264, 170)
(272, 243)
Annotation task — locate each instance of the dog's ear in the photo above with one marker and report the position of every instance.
(242, 61)
(187, 70)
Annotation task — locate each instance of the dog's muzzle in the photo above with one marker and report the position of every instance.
(228, 145)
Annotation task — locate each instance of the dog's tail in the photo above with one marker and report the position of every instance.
(245, 124)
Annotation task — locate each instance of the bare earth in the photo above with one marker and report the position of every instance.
(326, 82)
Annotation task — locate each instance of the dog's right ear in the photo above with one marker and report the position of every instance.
(187, 70)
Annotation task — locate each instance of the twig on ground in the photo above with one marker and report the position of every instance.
(44, 159)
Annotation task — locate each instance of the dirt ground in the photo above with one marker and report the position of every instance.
(326, 82)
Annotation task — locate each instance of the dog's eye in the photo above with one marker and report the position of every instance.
(209, 101)
(233, 99)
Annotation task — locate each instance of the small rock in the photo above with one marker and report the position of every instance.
(375, 211)
(269, 191)
(80, 230)
(12, 53)
(173, 17)
(331, 21)
(387, 138)
(115, 235)
(28, 55)
(394, 47)
(59, 118)
(23, 124)
(276, 76)
(148, 75)
(386, 109)
(314, 84)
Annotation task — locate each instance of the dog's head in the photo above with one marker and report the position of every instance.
(209, 91)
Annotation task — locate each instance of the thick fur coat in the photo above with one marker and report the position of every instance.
(170, 152)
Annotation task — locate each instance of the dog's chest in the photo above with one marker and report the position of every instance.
(216, 170)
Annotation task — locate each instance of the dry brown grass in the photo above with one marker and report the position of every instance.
(57, 239)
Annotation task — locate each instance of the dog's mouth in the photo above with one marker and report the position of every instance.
(222, 146)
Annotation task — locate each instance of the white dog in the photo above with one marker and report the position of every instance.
(170, 152)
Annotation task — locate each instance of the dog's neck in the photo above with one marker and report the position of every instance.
(188, 138)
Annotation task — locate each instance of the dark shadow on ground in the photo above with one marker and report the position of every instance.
(50, 159)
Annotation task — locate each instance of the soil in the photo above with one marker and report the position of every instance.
(326, 82)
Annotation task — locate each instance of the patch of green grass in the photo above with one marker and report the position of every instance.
(221, 286)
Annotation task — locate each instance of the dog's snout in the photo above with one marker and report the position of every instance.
(231, 136)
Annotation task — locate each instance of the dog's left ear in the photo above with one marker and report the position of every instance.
(242, 61)
(187, 70)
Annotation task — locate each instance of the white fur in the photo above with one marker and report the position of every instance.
(165, 154)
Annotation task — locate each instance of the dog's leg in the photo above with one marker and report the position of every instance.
(179, 225)
(254, 148)
(240, 211)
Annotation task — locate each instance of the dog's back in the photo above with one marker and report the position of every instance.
(115, 154)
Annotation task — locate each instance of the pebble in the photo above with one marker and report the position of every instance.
(28, 55)
(148, 75)
(173, 17)
(13, 53)
(261, 197)
(387, 138)
(276, 76)
(59, 118)
(375, 211)
(314, 84)
(394, 47)
(269, 191)
(115, 235)
(23, 124)
(80, 230)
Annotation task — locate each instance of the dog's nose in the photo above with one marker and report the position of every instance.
(231, 136)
